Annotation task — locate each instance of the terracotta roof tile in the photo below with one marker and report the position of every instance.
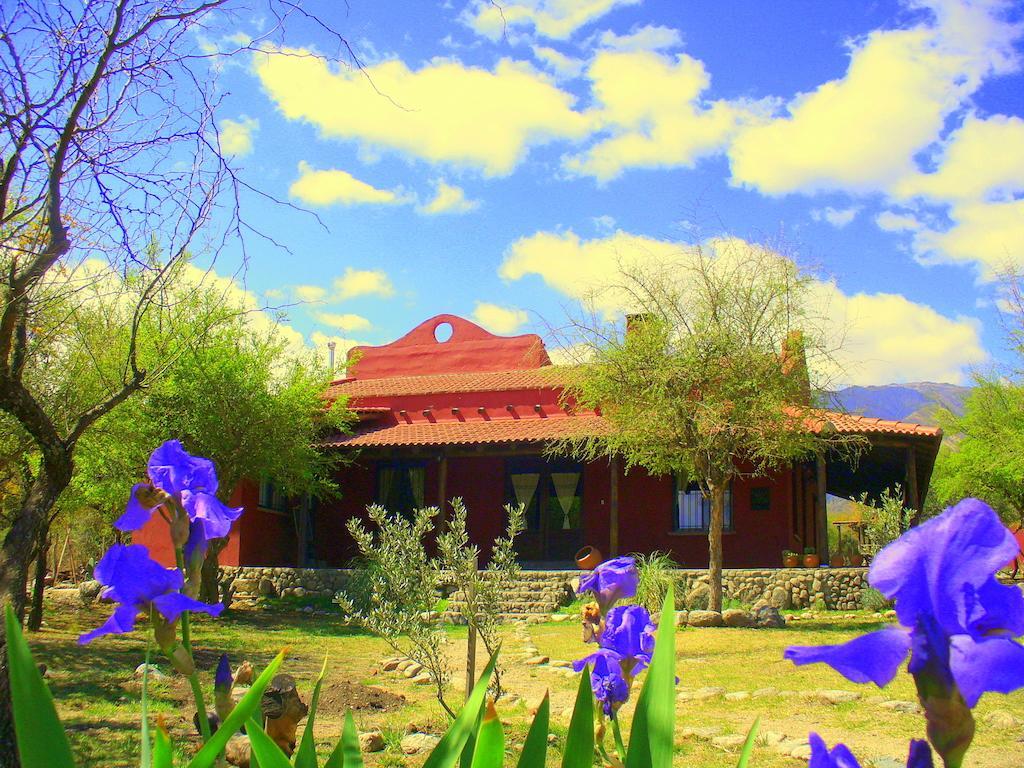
(474, 432)
(440, 383)
(853, 424)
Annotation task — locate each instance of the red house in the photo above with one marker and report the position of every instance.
(452, 410)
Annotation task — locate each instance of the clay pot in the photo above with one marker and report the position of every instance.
(588, 558)
(812, 561)
(857, 560)
(791, 561)
(837, 561)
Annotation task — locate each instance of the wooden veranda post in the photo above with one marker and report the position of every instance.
(613, 509)
(911, 495)
(471, 640)
(821, 518)
(442, 491)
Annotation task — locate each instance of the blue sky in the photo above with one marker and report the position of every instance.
(496, 161)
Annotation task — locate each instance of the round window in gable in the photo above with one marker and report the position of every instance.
(443, 332)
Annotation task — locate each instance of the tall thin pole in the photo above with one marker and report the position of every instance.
(471, 622)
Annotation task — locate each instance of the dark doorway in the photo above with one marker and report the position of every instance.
(552, 492)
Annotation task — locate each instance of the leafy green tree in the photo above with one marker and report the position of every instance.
(987, 461)
(710, 377)
(242, 397)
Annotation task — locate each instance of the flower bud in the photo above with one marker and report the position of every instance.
(181, 660)
(222, 683)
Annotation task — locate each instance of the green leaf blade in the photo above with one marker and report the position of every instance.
(249, 703)
(42, 742)
(163, 756)
(305, 755)
(535, 748)
(652, 739)
(448, 750)
(266, 752)
(748, 744)
(346, 752)
(489, 751)
(579, 742)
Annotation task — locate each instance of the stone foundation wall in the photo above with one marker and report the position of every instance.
(837, 589)
(539, 592)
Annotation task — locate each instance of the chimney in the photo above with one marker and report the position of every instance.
(793, 359)
(634, 320)
(330, 356)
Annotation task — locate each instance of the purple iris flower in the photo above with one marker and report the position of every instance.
(223, 679)
(138, 583)
(958, 620)
(629, 632)
(611, 581)
(192, 482)
(840, 755)
(606, 680)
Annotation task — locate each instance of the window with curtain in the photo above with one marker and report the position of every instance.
(692, 513)
(401, 486)
(551, 492)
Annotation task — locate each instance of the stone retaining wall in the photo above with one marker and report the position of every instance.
(539, 592)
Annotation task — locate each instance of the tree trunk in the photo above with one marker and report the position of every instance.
(209, 589)
(35, 615)
(715, 547)
(15, 558)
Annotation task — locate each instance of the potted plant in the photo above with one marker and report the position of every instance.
(853, 555)
(790, 559)
(811, 559)
(588, 558)
(838, 559)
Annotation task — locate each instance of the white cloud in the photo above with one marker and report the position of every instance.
(838, 218)
(556, 19)
(310, 293)
(435, 113)
(860, 133)
(648, 38)
(987, 235)
(604, 224)
(236, 135)
(499, 319)
(887, 336)
(890, 221)
(335, 186)
(564, 67)
(344, 322)
(983, 159)
(663, 124)
(363, 282)
(448, 199)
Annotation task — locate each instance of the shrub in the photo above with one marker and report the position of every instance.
(656, 575)
(873, 600)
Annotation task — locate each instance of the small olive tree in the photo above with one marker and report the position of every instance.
(711, 375)
(398, 581)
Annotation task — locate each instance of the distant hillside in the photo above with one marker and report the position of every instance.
(903, 402)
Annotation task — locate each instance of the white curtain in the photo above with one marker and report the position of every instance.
(565, 489)
(525, 486)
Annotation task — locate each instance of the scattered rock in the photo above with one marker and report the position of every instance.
(267, 588)
(536, 661)
(733, 741)
(737, 696)
(89, 591)
(552, 738)
(559, 617)
(707, 732)
(786, 746)
(423, 678)
(763, 693)
(901, 706)
(154, 672)
(801, 752)
(561, 663)
(708, 692)
(390, 665)
(888, 762)
(681, 618)
(415, 743)
(404, 664)
(838, 697)
(768, 617)
(735, 617)
(372, 741)
(412, 670)
(772, 738)
(1000, 718)
(704, 619)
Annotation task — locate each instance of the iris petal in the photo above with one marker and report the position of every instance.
(992, 665)
(821, 757)
(211, 512)
(173, 469)
(920, 755)
(172, 604)
(135, 514)
(120, 622)
(873, 657)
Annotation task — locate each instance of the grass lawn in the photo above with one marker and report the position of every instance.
(98, 695)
